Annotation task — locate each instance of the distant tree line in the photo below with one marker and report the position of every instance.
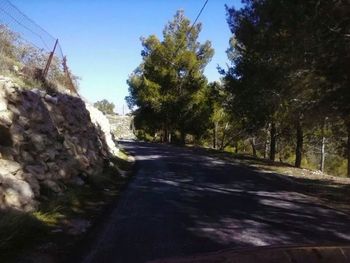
(286, 95)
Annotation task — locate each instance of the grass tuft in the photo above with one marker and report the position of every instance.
(19, 230)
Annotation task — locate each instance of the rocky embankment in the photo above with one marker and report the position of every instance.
(47, 141)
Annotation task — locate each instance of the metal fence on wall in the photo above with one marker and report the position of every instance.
(30, 48)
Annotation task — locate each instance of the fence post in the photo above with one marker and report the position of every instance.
(71, 86)
(46, 70)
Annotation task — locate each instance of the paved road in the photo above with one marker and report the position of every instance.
(181, 202)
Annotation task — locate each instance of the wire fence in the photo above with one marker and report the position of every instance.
(28, 49)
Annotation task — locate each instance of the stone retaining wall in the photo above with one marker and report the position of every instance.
(46, 141)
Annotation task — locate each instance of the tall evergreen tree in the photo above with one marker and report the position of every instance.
(169, 84)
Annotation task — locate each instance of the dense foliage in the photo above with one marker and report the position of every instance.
(285, 96)
(290, 73)
(169, 87)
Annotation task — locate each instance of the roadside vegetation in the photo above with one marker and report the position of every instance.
(61, 221)
(284, 96)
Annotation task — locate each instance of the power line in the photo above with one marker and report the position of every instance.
(187, 33)
(183, 40)
(191, 28)
(30, 20)
(24, 26)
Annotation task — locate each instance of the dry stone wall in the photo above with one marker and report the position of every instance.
(122, 126)
(46, 142)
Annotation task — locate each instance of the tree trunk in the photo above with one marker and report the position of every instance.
(183, 138)
(322, 154)
(252, 143)
(222, 146)
(323, 147)
(165, 135)
(266, 148)
(215, 139)
(299, 146)
(169, 137)
(272, 142)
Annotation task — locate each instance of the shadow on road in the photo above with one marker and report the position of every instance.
(182, 203)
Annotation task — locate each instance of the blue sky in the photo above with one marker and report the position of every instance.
(101, 38)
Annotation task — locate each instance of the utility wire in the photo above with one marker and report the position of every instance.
(191, 28)
(24, 26)
(183, 40)
(19, 18)
(30, 20)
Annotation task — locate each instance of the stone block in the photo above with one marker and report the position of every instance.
(50, 99)
(16, 193)
(39, 141)
(3, 104)
(24, 122)
(9, 167)
(33, 182)
(6, 118)
(37, 170)
(13, 108)
(52, 185)
(27, 157)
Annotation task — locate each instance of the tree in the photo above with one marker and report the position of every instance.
(290, 63)
(169, 84)
(331, 24)
(254, 81)
(105, 106)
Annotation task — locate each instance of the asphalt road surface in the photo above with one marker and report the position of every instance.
(181, 202)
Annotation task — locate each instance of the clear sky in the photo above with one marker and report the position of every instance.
(101, 38)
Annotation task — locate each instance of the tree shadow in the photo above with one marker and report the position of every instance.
(183, 202)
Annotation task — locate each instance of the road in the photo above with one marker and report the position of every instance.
(181, 202)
